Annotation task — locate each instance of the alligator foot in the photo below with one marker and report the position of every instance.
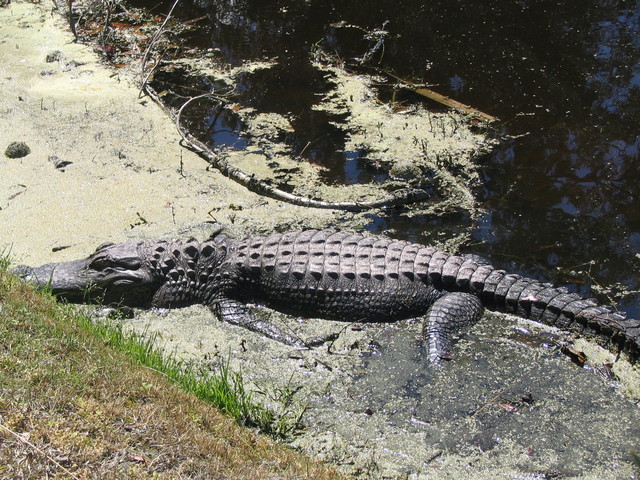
(449, 314)
(239, 314)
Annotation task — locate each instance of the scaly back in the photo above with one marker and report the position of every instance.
(346, 275)
(334, 274)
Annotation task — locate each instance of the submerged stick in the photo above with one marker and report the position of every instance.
(450, 102)
(444, 100)
(217, 160)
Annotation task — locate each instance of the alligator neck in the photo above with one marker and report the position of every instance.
(187, 270)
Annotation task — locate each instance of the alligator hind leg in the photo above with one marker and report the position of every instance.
(449, 314)
(237, 313)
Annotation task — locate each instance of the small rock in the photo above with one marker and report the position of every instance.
(17, 150)
(58, 56)
(54, 56)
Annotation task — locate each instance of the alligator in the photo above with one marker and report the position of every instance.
(331, 274)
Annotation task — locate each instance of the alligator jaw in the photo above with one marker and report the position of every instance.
(112, 275)
(68, 279)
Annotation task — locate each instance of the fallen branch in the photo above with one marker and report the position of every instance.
(218, 160)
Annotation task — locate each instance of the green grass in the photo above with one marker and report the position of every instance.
(635, 457)
(85, 400)
(222, 389)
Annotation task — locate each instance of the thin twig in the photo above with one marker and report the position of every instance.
(399, 198)
(106, 28)
(184, 105)
(490, 402)
(72, 24)
(37, 449)
(147, 53)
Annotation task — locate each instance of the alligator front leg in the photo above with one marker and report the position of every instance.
(237, 313)
(449, 314)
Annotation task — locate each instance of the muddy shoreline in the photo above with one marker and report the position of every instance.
(509, 405)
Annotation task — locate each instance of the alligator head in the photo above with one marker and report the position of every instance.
(113, 274)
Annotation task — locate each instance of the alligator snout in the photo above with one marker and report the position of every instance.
(68, 278)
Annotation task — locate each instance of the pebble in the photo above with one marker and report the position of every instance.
(17, 150)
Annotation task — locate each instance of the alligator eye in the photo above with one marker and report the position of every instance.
(104, 245)
(100, 263)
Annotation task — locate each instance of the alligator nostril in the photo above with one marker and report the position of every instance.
(23, 271)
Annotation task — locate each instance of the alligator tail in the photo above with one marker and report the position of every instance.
(529, 298)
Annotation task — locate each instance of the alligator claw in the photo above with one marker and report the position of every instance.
(321, 339)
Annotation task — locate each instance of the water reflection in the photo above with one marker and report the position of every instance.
(563, 76)
(225, 128)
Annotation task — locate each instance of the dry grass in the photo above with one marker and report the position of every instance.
(71, 407)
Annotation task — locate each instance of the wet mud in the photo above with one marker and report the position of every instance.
(509, 404)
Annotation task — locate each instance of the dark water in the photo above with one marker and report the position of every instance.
(562, 76)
